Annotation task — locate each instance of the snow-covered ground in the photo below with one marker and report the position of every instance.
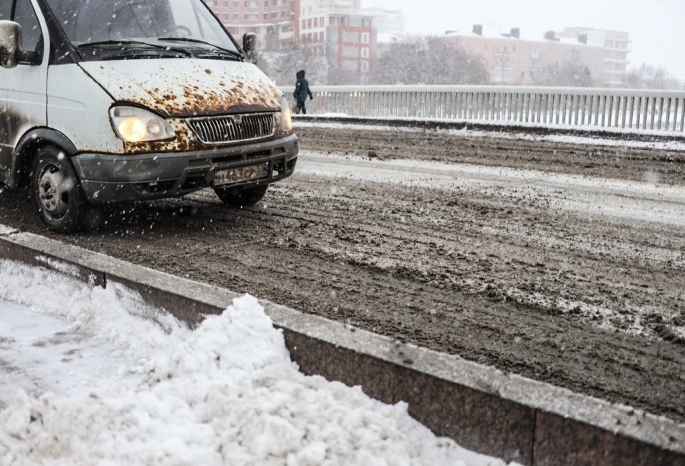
(98, 377)
(43, 353)
(674, 145)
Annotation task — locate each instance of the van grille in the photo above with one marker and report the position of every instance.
(232, 128)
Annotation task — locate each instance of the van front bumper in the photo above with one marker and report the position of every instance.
(107, 178)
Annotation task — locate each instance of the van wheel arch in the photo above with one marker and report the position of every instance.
(27, 148)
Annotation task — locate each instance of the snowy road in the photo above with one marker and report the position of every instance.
(605, 199)
(562, 261)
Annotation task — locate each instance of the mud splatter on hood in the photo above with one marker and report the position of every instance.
(187, 87)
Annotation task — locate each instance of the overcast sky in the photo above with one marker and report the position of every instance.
(655, 26)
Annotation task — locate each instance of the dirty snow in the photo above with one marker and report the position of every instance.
(467, 133)
(612, 200)
(140, 388)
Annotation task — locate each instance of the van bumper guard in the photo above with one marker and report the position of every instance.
(109, 179)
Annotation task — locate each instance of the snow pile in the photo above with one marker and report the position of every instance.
(225, 393)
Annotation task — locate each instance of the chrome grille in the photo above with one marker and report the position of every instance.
(232, 128)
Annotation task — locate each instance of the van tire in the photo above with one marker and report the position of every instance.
(241, 198)
(55, 191)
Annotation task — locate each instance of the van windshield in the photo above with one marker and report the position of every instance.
(186, 23)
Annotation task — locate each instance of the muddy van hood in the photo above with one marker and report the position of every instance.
(187, 87)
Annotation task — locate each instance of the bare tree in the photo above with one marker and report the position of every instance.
(650, 77)
(281, 64)
(428, 60)
(570, 74)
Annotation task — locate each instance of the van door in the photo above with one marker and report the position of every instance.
(23, 89)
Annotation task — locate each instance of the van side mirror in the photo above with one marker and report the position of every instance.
(250, 46)
(11, 50)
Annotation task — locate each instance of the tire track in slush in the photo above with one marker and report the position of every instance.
(505, 269)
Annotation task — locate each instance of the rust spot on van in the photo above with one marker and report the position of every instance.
(13, 129)
(6, 57)
(187, 90)
(194, 101)
(10, 123)
(230, 92)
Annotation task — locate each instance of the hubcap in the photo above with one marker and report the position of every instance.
(53, 191)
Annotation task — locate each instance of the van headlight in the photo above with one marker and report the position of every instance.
(133, 124)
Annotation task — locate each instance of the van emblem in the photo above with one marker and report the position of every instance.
(238, 119)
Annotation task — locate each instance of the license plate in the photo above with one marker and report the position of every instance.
(241, 174)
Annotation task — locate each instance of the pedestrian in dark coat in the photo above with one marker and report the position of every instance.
(301, 92)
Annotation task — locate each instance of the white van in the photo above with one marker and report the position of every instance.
(107, 101)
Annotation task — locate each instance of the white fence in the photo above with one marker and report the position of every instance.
(635, 110)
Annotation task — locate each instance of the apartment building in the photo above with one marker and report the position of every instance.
(274, 21)
(313, 7)
(512, 59)
(346, 37)
(387, 22)
(335, 29)
(338, 30)
(616, 49)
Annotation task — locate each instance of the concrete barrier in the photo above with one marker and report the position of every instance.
(630, 110)
(481, 408)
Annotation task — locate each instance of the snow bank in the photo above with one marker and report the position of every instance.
(225, 393)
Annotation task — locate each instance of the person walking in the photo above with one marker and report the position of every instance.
(301, 92)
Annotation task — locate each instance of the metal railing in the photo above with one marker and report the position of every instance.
(635, 110)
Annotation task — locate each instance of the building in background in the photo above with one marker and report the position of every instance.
(616, 49)
(274, 21)
(513, 59)
(346, 37)
(343, 33)
(387, 22)
(337, 30)
(313, 7)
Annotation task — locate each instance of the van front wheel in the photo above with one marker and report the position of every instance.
(57, 196)
(241, 198)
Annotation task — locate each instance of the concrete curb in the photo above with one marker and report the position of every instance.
(494, 127)
(481, 408)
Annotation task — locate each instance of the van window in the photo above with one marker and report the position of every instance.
(86, 21)
(5, 11)
(31, 34)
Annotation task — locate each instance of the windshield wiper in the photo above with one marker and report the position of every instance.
(198, 41)
(135, 54)
(117, 42)
(215, 55)
(138, 45)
